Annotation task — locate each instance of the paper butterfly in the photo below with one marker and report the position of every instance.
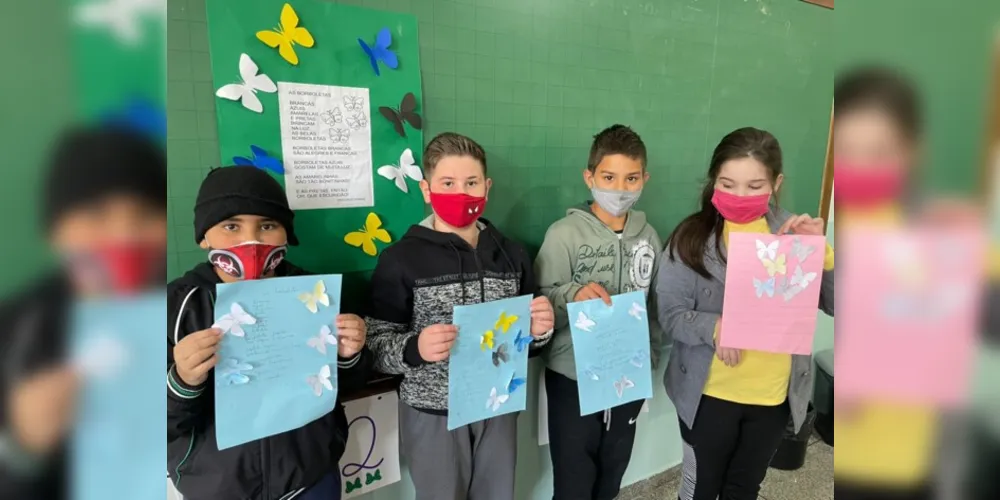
(486, 341)
(232, 370)
(320, 341)
(354, 102)
(515, 383)
(762, 287)
(505, 322)
(331, 116)
(380, 51)
(776, 266)
(102, 358)
(800, 279)
(801, 251)
(371, 478)
(639, 359)
(591, 373)
(320, 380)
(246, 90)
(260, 159)
(621, 385)
(583, 322)
(767, 251)
(366, 236)
(122, 18)
(140, 115)
(636, 311)
(233, 322)
(406, 113)
(353, 485)
(521, 341)
(791, 292)
(357, 121)
(316, 297)
(500, 355)
(407, 168)
(495, 400)
(340, 135)
(287, 35)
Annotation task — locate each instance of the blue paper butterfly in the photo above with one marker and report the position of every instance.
(140, 115)
(762, 287)
(521, 341)
(380, 51)
(262, 160)
(514, 383)
(232, 372)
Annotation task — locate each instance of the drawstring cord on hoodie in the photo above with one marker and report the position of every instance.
(607, 419)
(461, 273)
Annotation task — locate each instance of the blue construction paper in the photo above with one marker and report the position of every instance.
(478, 389)
(612, 358)
(265, 381)
(117, 446)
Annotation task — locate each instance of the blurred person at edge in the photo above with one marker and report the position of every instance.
(104, 212)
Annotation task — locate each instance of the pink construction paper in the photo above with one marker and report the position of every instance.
(908, 305)
(781, 322)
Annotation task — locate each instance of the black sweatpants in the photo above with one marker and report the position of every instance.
(727, 453)
(589, 453)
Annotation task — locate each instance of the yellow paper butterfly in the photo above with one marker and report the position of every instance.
(776, 266)
(317, 296)
(365, 238)
(505, 322)
(287, 35)
(486, 341)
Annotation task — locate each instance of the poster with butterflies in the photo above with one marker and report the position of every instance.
(360, 153)
(488, 364)
(277, 368)
(611, 350)
(772, 292)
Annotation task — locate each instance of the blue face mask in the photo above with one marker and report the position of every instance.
(617, 203)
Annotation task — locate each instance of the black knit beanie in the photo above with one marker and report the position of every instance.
(230, 191)
(93, 162)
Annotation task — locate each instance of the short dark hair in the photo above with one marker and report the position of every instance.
(451, 144)
(883, 89)
(616, 140)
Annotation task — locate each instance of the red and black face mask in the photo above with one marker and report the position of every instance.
(248, 261)
(118, 267)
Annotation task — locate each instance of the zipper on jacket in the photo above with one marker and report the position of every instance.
(479, 274)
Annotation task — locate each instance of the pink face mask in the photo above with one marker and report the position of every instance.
(740, 209)
(861, 185)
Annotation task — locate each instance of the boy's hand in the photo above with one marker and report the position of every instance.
(41, 409)
(435, 341)
(543, 318)
(592, 291)
(351, 334)
(196, 354)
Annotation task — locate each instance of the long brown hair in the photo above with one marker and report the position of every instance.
(690, 237)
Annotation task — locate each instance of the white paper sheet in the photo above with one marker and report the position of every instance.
(326, 145)
(371, 459)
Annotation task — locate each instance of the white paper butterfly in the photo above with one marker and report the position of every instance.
(621, 385)
(800, 250)
(317, 296)
(639, 359)
(495, 400)
(332, 116)
(340, 135)
(636, 311)
(769, 252)
(103, 357)
(801, 279)
(320, 341)
(790, 292)
(122, 18)
(233, 322)
(583, 322)
(246, 90)
(398, 174)
(357, 121)
(320, 380)
(353, 102)
(591, 373)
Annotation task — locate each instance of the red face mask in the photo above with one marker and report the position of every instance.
(740, 209)
(119, 267)
(248, 261)
(860, 185)
(458, 209)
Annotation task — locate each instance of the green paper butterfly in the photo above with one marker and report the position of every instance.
(371, 478)
(354, 485)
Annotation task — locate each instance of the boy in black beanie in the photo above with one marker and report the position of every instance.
(241, 216)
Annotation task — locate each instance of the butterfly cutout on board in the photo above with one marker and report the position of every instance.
(317, 296)
(522, 341)
(371, 478)
(353, 485)
(500, 355)
(124, 19)
(320, 381)
(339, 135)
(140, 115)
(802, 279)
(322, 339)
(407, 112)
(639, 359)
(637, 311)
(407, 168)
(231, 372)
(767, 251)
(591, 373)
(486, 341)
(495, 400)
(583, 322)
(233, 322)
(380, 51)
(800, 250)
(622, 384)
(515, 383)
(260, 159)
(366, 236)
(505, 322)
(764, 287)
(246, 90)
(357, 121)
(287, 35)
(776, 266)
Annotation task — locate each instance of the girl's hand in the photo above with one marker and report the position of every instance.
(802, 224)
(351, 333)
(543, 318)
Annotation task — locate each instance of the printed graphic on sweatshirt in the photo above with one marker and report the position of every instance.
(641, 258)
(592, 261)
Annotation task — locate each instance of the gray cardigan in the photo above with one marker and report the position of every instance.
(688, 307)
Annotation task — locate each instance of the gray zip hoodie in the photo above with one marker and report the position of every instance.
(579, 249)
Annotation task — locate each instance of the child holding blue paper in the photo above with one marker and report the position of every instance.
(243, 219)
(453, 257)
(602, 247)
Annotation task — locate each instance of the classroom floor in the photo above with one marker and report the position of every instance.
(814, 481)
